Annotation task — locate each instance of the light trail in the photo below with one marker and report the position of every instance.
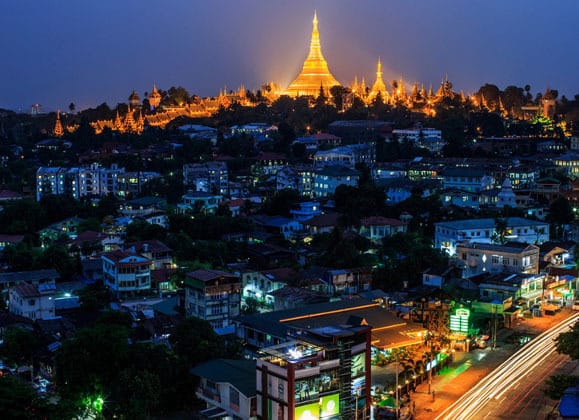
(508, 374)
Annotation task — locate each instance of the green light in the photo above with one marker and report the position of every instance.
(98, 404)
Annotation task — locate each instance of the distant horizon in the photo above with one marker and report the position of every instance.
(62, 53)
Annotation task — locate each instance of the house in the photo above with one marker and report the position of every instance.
(348, 156)
(156, 218)
(447, 235)
(467, 179)
(280, 225)
(377, 228)
(259, 285)
(143, 206)
(349, 280)
(199, 201)
(160, 255)
(324, 223)
(268, 163)
(126, 273)
(265, 256)
(228, 387)
(513, 257)
(327, 179)
(32, 301)
(546, 190)
(306, 211)
(214, 296)
(432, 277)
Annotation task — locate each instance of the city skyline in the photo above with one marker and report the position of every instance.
(57, 53)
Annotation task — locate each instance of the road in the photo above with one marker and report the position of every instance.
(506, 389)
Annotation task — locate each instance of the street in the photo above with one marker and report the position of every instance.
(509, 385)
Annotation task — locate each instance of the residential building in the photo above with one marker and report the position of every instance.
(326, 180)
(447, 235)
(143, 206)
(160, 255)
(228, 387)
(513, 257)
(214, 296)
(210, 177)
(199, 201)
(32, 301)
(349, 281)
(568, 163)
(377, 228)
(467, 179)
(500, 287)
(130, 184)
(259, 285)
(348, 156)
(460, 198)
(126, 273)
(306, 211)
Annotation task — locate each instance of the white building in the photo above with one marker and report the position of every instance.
(208, 177)
(447, 235)
(347, 156)
(33, 301)
(126, 273)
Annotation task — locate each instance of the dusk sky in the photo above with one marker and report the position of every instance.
(59, 51)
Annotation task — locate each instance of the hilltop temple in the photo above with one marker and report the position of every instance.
(315, 72)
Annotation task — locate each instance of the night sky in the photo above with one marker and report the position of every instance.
(59, 51)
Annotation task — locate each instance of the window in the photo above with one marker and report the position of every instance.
(495, 259)
(506, 261)
(464, 255)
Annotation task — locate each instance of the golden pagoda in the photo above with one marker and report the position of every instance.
(57, 130)
(315, 72)
(379, 86)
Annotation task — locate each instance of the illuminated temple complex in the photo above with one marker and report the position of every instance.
(314, 76)
(315, 72)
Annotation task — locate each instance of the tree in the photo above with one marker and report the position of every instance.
(195, 341)
(18, 400)
(560, 214)
(557, 384)
(20, 345)
(568, 342)
(71, 107)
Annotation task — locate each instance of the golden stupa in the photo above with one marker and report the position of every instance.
(315, 72)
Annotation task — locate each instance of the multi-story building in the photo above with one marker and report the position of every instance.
(92, 180)
(126, 273)
(327, 179)
(347, 156)
(467, 179)
(377, 228)
(447, 235)
(349, 280)
(130, 184)
(212, 177)
(214, 296)
(33, 301)
(513, 257)
(323, 374)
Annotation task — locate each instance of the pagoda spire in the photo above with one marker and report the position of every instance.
(58, 131)
(315, 71)
(379, 86)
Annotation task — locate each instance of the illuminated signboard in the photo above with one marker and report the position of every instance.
(330, 405)
(358, 364)
(459, 321)
(308, 412)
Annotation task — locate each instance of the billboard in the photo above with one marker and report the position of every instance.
(330, 405)
(308, 412)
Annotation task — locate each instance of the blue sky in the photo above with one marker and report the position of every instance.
(59, 51)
